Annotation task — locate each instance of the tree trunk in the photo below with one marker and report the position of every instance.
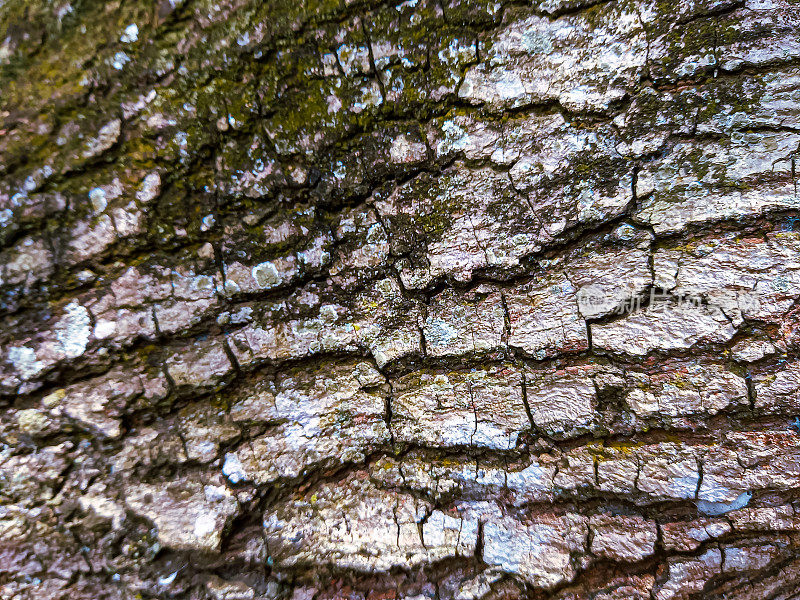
(453, 299)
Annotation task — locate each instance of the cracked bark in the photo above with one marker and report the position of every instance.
(328, 299)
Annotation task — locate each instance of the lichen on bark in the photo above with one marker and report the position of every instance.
(446, 299)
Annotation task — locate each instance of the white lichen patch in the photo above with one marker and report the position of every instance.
(74, 330)
(97, 197)
(233, 469)
(130, 35)
(150, 188)
(266, 275)
(24, 361)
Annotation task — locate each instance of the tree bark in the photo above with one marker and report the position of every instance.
(453, 299)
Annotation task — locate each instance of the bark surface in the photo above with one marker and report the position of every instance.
(441, 299)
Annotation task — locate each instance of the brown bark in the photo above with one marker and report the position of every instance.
(349, 299)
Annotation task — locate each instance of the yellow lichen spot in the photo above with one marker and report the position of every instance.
(32, 421)
(54, 399)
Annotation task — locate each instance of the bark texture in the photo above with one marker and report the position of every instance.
(441, 299)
